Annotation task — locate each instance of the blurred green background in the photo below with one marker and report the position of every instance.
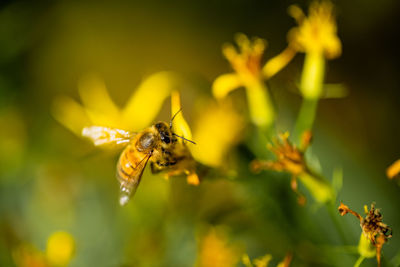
(51, 180)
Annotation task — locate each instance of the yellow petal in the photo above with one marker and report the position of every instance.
(98, 102)
(217, 129)
(70, 114)
(333, 47)
(179, 124)
(275, 64)
(297, 13)
(225, 84)
(104, 119)
(243, 42)
(229, 51)
(393, 170)
(146, 102)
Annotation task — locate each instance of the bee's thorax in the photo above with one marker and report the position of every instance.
(146, 142)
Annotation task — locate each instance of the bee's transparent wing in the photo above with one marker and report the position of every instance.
(107, 136)
(129, 177)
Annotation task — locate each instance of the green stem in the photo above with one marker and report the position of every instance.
(359, 261)
(306, 117)
(323, 192)
(334, 217)
(319, 188)
(257, 143)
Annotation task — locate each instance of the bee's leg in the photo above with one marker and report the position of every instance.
(176, 172)
(154, 168)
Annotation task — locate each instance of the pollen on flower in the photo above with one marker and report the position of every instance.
(317, 32)
(193, 179)
(289, 158)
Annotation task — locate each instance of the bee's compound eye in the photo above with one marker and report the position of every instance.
(159, 125)
(146, 141)
(165, 138)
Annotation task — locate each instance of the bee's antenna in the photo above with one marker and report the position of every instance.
(170, 126)
(173, 117)
(184, 138)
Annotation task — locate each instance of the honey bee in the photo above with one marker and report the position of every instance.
(157, 144)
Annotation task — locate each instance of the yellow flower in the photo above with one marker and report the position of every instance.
(316, 33)
(60, 248)
(141, 109)
(216, 130)
(215, 251)
(249, 72)
(373, 229)
(99, 109)
(143, 106)
(291, 159)
(247, 61)
(316, 36)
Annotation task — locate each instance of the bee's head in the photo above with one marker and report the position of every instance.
(164, 131)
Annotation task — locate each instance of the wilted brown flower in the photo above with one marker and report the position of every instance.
(289, 159)
(372, 226)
